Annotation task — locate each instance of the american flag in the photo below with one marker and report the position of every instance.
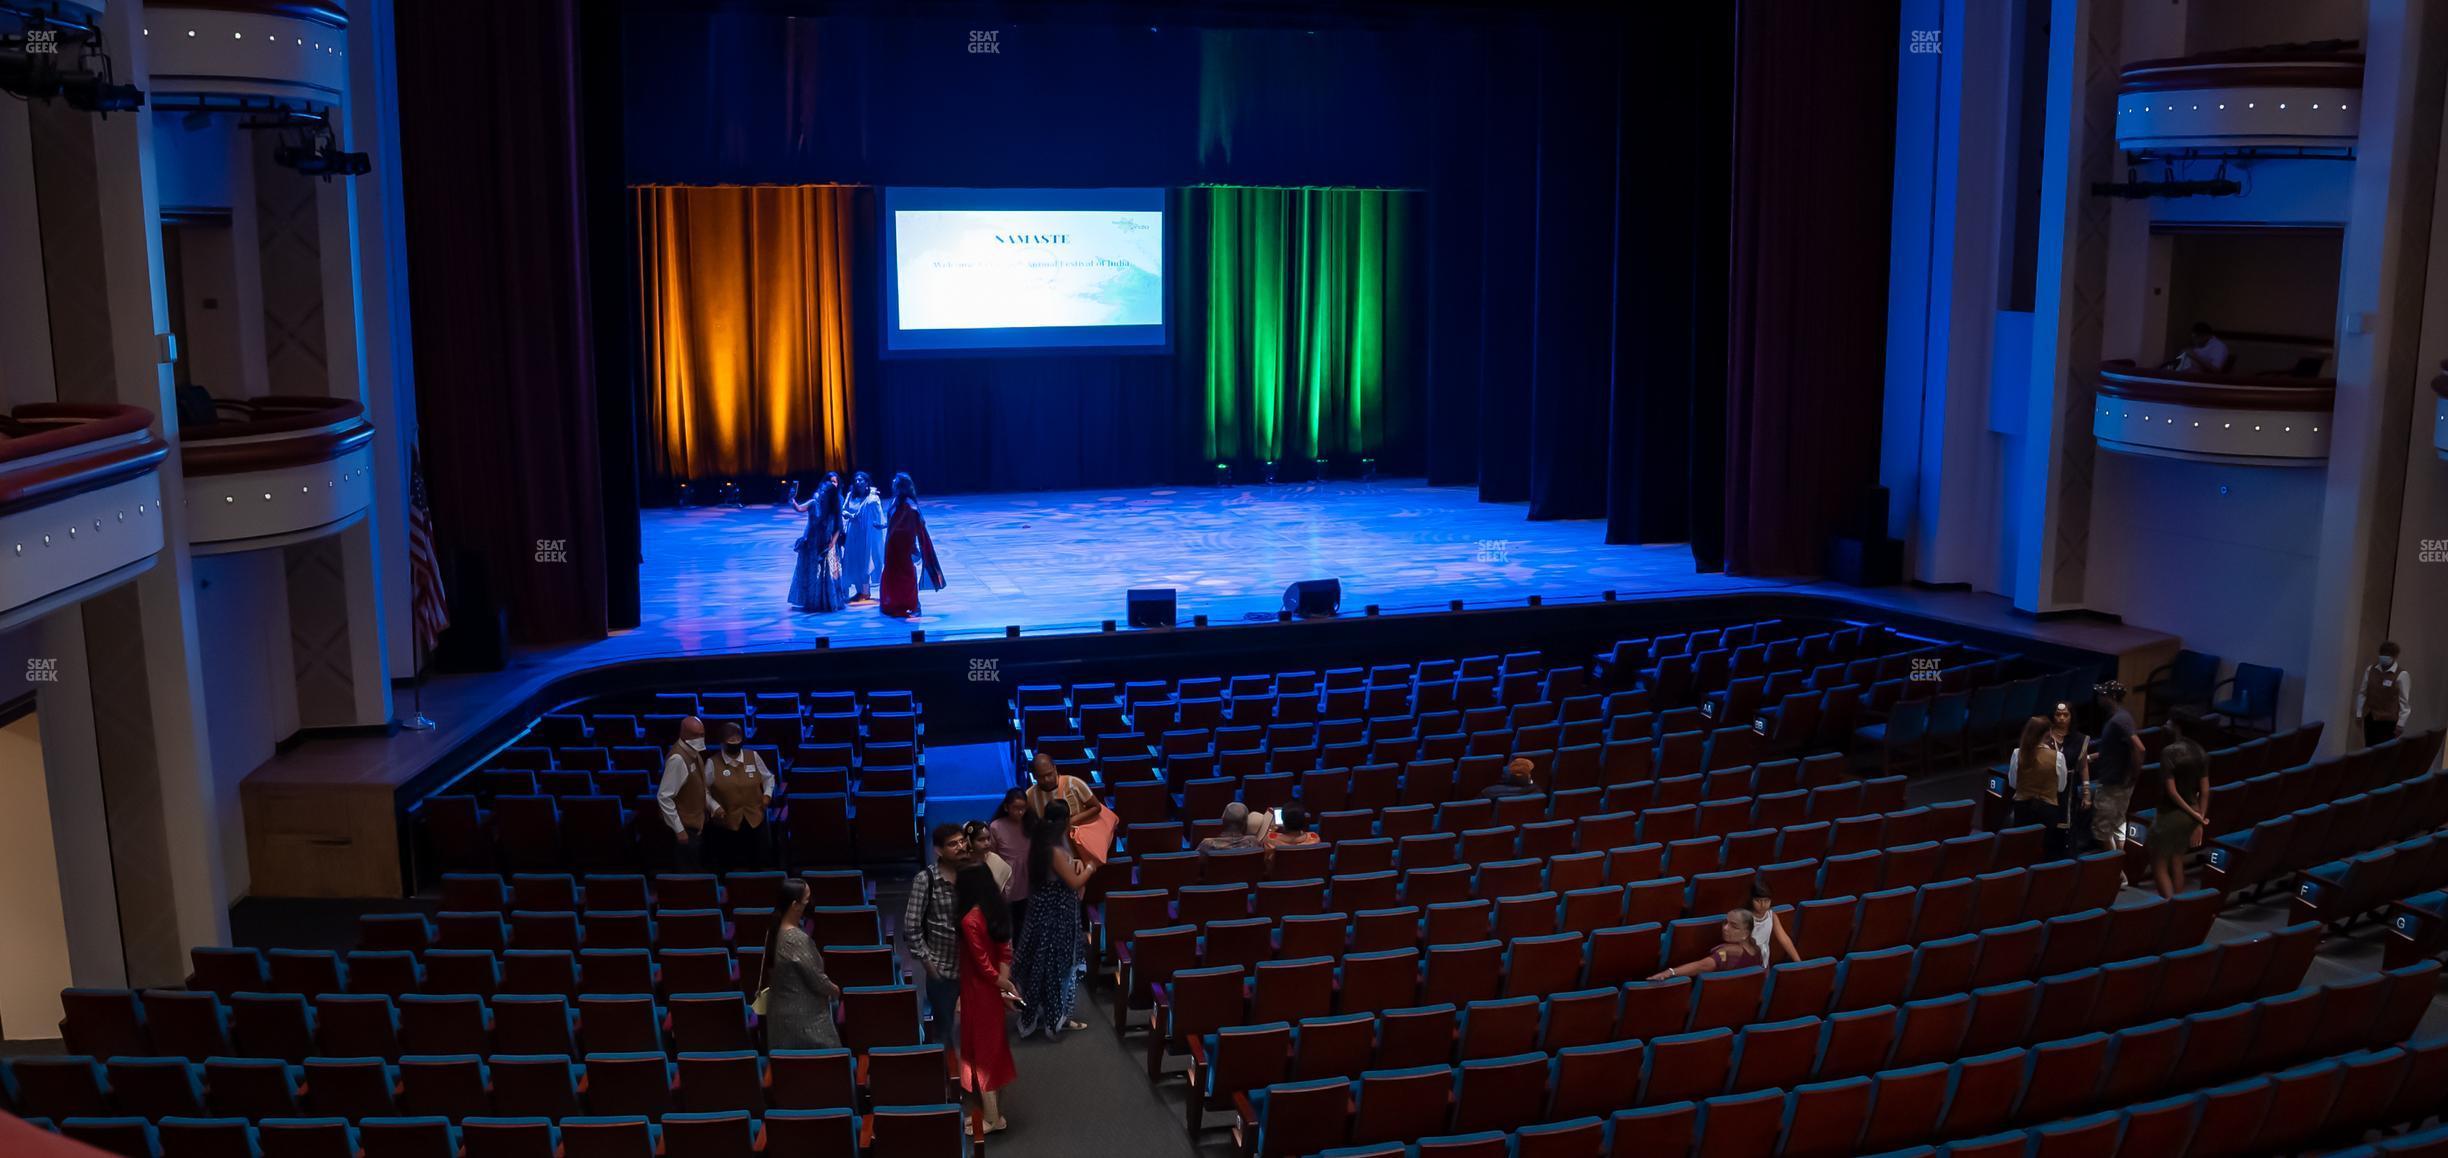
(431, 613)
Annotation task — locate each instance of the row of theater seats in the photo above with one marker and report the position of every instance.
(1887, 939)
(1348, 804)
(291, 1027)
(546, 1084)
(565, 748)
(1699, 876)
(606, 833)
(2273, 849)
(929, 1131)
(1949, 994)
(1558, 822)
(1191, 999)
(2341, 891)
(569, 930)
(1595, 1075)
(2229, 1081)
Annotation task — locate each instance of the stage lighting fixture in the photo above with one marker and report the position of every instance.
(1538, 600)
(317, 153)
(1368, 470)
(824, 643)
(1107, 626)
(1198, 621)
(36, 63)
(918, 636)
(1370, 611)
(1223, 474)
(1607, 595)
(1011, 631)
(1456, 605)
(1270, 472)
(1283, 617)
(1317, 470)
(687, 495)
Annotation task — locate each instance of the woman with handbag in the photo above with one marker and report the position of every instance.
(794, 997)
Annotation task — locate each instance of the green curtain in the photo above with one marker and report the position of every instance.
(1300, 316)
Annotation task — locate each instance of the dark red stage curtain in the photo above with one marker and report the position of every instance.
(1814, 155)
(492, 174)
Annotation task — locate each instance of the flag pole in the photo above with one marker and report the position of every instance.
(417, 721)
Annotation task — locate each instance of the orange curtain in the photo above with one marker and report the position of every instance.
(746, 316)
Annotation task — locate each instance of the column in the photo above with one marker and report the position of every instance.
(2380, 371)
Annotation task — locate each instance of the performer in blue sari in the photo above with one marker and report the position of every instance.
(816, 583)
(863, 541)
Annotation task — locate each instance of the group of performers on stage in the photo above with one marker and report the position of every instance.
(860, 546)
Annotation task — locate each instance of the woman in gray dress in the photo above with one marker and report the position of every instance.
(798, 996)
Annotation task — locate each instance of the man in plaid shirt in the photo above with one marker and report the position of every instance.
(930, 930)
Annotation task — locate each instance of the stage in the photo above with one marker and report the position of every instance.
(714, 578)
(320, 814)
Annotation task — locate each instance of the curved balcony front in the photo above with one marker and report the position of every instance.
(2239, 419)
(2251, 101)
(282, 469)
(80, 503)
(253, 54)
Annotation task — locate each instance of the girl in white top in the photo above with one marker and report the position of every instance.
(1766, 934)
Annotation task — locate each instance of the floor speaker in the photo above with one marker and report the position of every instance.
(1311, 597)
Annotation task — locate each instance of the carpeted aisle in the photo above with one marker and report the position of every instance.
(1087, 1096)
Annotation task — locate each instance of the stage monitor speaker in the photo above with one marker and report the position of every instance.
(1151, 606)
(1311, 597)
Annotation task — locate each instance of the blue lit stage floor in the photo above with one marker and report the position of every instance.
(1060, 561)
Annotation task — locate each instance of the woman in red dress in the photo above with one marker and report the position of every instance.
(985, 988)
(907, 548)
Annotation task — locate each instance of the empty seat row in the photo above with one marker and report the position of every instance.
(2237, 861)
(1338, 817)
(660, 928)
(1594, 1063)
(196, 1026)
(1121, 914)
(1195, 1001)
(935, 1131)
(470, 891)
(569, 973)
(2340, 891)
(541, 1084)
(1894, 1107)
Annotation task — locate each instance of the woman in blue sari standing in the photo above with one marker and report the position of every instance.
(816, 583)
(1045, 965)
(863, 537)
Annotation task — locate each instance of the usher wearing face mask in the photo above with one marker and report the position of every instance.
(2384, 698)
(738, 787)
(682, 795)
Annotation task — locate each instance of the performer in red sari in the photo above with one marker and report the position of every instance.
(985, 989)
(907, 549)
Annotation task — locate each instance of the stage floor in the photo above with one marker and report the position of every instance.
(1061, 561)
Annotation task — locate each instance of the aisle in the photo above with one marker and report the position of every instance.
(1087, 1096)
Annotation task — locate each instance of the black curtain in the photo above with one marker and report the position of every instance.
(1814, 168)
(492, 184)
(1579, 241)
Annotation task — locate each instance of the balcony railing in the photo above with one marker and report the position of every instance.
(2249, 419)
(80, 502)
(2286, 99)
(275, 470)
